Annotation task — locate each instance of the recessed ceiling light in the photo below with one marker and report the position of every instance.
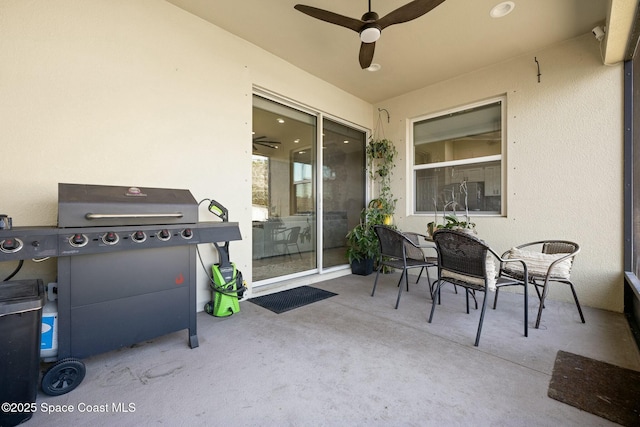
(374, 67)
(346, 141)
(502, 9)
(281, 121)
(296, 141)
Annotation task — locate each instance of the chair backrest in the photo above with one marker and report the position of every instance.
(559, 247)
(461, 253)
(293, 234)
(390, 241)
(413, 252)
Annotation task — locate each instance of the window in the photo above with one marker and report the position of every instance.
(457, 160)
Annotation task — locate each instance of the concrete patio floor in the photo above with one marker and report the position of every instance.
(350, 360)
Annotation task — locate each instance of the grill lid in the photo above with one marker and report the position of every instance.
(81, 205)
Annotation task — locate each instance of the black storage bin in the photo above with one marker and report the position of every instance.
(21, 305)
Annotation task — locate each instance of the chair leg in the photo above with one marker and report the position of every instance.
(466, 293)
(495, 297)
(526, 310)
(401, 277)
(406, 279)
(435, 298)
(375, 282)
(575, 297)
(536, 285)
(545, 290)
(484, 306)
(420, 274)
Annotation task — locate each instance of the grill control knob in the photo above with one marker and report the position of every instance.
(187, 233)
(164, 235)
(78, 240)
(139, 236)
(10, 246)
(110, 238)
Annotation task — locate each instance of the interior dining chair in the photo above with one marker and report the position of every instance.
(289, 238)
(400, 252)
(466, 261)
(547, 261)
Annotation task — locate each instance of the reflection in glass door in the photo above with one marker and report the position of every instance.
(286, 185)
(283, 191)
(343, 187)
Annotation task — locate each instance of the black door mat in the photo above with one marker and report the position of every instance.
(280, 302)
(596, 387)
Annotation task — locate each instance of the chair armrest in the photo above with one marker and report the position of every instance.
(540, 264)
(504, 261)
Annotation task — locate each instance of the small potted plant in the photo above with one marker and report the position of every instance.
(362, 242)
(452, 221)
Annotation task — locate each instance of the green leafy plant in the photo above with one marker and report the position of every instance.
(362, 242)
(452, 222)
(381, 154)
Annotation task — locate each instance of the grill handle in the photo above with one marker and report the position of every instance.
(133, 215)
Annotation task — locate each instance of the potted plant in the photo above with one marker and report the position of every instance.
(362, 245)
(362, 242)
(452, 221)
(381, 154)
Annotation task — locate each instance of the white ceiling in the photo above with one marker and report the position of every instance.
(455, 38)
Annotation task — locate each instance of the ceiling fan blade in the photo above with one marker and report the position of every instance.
(330, 17)
(366, 54)
(408, 12)
(269, 144)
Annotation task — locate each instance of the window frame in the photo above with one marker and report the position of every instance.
(413, 168)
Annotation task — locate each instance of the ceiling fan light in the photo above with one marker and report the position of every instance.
(370, 34)
(502, 9)
(374, 67)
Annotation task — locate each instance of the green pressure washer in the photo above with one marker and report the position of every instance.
(227, 285)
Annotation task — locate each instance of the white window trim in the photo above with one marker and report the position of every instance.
(411, 167)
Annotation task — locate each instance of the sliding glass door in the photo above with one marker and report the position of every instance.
(305, 167)
(343, 187)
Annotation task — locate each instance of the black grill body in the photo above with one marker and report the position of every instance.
(126, 263)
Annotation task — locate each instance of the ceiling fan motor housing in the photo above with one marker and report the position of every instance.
(370, 31)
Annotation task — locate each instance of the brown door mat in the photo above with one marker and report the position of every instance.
(600, 388)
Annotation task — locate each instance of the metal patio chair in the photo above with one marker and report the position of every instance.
(398, 251)
(426, 251)
(463, 260)
(547, 261)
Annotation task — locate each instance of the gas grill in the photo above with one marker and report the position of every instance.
(126, 264)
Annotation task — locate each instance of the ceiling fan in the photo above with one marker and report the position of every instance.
(370, 26)
(260, 140)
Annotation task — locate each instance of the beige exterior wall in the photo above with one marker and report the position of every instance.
(135, 93)
(141, 93)
(563, 158)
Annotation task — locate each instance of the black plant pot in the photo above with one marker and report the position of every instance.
(363, 267)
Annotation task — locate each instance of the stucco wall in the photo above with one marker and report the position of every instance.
(562, 160)
(142, 93)
(135, 93)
